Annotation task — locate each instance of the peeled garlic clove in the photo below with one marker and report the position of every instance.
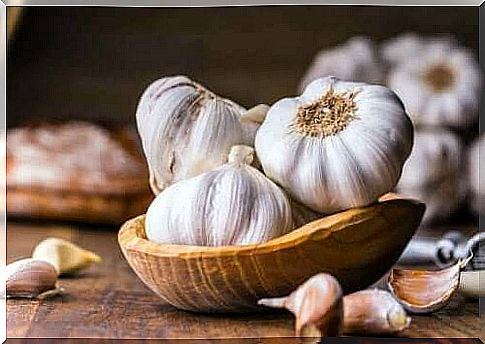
(187, 130)
(316, 304)
(234, 204)
(373, 311)
(472, 283)
(337, 146)
(30, 278)
(65, 256)
(423, 291)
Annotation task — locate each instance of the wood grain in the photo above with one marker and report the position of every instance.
(356, 246)
(109, 301)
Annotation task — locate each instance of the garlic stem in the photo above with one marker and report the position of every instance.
(241, 154)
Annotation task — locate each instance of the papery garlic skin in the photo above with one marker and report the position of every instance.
(234, 204)
(346, 163)
(432, 173)
(356, 59)
(440, 85)
(187, 130)
(476, 170)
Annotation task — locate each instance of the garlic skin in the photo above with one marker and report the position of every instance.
(30, 278)
(373, 311)
(339, 145)
(440, 85)
(316, 304)
(476, 168)
(234, 204)
(65, 256)
(425, 291)
(356, 60)
(432, 173)
(186, 129)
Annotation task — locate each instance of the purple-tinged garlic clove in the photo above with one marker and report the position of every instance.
(317, 306)
(373, 312)
(30, 278)
(423, 291)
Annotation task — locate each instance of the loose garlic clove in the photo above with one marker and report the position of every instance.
(316, 304)
(30, 278)
(422, 291)
(256, 114)
(375, 312)
(65, 256)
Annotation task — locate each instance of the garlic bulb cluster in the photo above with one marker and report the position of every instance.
(187, 130)
(355, 60)
(432, 173)
(476, 168)
(437, 79)
(234, 204)
(337, 146)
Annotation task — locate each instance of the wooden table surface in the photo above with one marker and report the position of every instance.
(109, 301)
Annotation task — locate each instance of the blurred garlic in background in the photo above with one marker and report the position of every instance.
(437, 79)
(400, 48)
(475, 165)
(354, 60)
(432, 173)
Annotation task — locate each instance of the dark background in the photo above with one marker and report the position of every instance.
(93, 63)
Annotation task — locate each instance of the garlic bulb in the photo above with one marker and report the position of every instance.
(402, 48)
(187, 130)
(339, 145)
(234, 204)
(355, 60)
(440, 85)
(432, 173)
(476, 167)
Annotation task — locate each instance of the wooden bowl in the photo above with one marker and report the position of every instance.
(357, 246)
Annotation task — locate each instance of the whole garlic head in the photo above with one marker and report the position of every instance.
(440, 85)
(186, 129)
(432, 173)
(339, 145)
(355, 60)
(234, 204)
(476, 170)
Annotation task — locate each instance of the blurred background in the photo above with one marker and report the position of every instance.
(92, 64)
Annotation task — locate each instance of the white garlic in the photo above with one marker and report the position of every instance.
(234, 204)
(187, 130)
(339, 145)
(476, 170)
(355, 60)
(401, 48)
(440, 85)
(432, 173)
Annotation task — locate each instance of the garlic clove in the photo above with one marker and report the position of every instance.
(375, 312)
(316, 304)
(256, 114)
(65, 256)
(423, 291)
(30, 278)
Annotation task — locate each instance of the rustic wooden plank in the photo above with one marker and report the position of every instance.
(109, 301)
